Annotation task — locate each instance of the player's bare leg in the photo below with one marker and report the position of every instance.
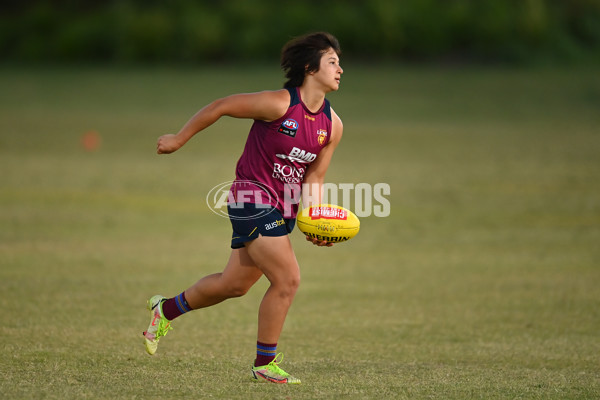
(237, 278)
(239, 275)
(276, 259)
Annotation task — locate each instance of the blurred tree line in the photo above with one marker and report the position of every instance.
(187, 31)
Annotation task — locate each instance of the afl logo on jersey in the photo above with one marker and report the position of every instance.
(288, 127)
(322, 136)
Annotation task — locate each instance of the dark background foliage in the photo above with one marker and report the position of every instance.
(181, 31)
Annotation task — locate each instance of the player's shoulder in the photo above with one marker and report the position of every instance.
(274, 103)
(278, 95)
(335, 119)
(337, 128)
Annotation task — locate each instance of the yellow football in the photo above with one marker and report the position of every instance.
(328, 222)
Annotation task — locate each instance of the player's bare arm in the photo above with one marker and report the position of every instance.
(315, 176)
(266, 105)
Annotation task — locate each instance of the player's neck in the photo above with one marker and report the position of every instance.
(312, 98)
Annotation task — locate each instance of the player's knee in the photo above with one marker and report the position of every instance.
(238, 290)
(295, 283)
(289, 286)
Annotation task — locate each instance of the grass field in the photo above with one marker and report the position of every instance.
(483, 283)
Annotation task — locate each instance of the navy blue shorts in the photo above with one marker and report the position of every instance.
(250, 220)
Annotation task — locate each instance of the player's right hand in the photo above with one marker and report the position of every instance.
(318, 242)
(167, 144)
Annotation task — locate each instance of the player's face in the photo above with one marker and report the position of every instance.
(330, 72)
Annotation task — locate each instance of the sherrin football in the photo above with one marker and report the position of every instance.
(328, 222)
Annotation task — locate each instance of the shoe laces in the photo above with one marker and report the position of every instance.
(164, 326)
(273, 366)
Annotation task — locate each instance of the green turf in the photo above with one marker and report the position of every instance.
(483, 283)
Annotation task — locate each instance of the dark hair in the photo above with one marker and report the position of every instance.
(302, 55)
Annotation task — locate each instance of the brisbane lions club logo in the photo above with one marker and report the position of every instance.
(321, 136)
(288, 127)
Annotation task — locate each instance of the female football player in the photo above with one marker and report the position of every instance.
(291, 142)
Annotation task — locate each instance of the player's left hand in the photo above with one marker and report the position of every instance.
(319, 243)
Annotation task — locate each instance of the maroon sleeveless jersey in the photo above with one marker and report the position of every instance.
(278, 154)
